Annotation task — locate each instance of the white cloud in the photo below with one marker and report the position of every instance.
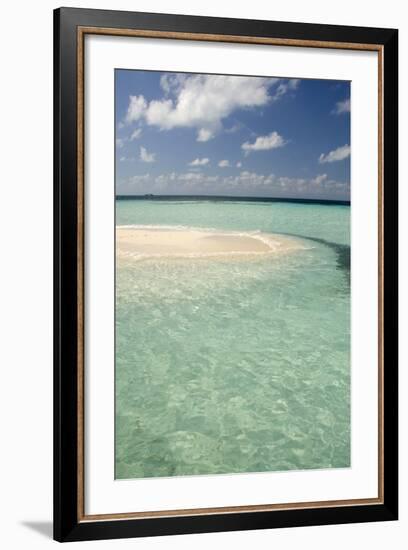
(126, 159)
(293, 83)
(244, 184)
(233, 128)
(319, 179)
(136, 134)
(199, 162)
(172, 82)
(264, 143)
(342, 107)
(119, 143)
(139, 178)
(204, 135)
(197, 177)
(145, 156)
(224, 163)
(283, 87)
(203, 101)
(239, 164)
(136, 109)
(340, 153)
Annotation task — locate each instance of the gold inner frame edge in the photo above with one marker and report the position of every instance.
(81, 33)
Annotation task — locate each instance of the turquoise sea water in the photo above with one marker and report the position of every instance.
(234, 366)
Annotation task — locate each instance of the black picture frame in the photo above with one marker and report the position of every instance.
(68, 525)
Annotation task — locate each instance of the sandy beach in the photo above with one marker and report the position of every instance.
(168, 242)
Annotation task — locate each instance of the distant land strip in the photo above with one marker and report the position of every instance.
(229, 198)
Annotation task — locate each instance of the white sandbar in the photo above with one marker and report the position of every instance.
(155, 242)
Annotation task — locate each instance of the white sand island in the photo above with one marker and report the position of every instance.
(143, 242)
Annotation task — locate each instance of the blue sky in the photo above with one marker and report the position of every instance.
(193, 134)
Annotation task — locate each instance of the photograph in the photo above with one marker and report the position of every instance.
(232, 274)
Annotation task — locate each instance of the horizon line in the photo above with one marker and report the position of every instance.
(151, 196)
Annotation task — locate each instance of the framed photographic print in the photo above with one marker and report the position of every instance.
(225, 274)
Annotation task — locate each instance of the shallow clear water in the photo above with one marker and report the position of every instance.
(234, 366)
